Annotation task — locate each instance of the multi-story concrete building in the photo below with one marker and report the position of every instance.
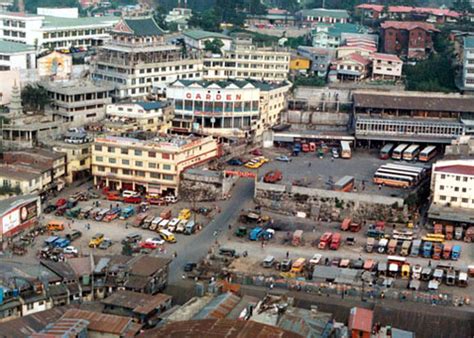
(234, 109)
(197, 39)
(334, 35)
(320, 58)
(317, 15)
(33, 171)
(353, 67)
(468, 63)
(50, 32)
(408, 38)
(138, 61)
(412, 116)
(152, 166)
(245, 61)
(78, 158)
(386, 66)
(153, 116)
(78, 102)
(452, 183)
(14, 55)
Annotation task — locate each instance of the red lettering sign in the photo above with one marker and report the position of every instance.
(228, 97)
(198, 96)
(240, 173)
(238, 97)
(208, 96)
(218, 97)
(188, 95)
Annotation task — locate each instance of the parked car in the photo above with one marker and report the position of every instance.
(335, 152)
(189, 266)
(133, 199)
(70, 250)
(49, 209)
(132, 238)
(74, 235)
(283, 158)
(235, 161)
(256, 152)
(148, 245)
(106, 243)
(171, 199)
(155, 240)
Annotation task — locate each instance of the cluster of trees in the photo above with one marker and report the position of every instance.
(35, 97)
(437, 72)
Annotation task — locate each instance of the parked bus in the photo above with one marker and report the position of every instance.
(411, 152)
(398, 152)
(398, 172)
(408, 168)
(345, 184)
(386, 151)
(346, 149)
(392, 180)
(427, 153)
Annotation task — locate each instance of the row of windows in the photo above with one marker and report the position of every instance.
(138, 173)
(14, 33)
(455, 199)
(458, 178)
(66, 34)
(216, 107)
(163, 69)
(151, 165)
(14, 23)
(136, 152)
(456, 189)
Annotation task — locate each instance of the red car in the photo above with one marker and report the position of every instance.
(256, 152)
(157, 201)
(148, 245)
(133, 199)
(113, 197)
(60, 202)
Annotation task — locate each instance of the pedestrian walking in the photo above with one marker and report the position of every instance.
(429, 263)
(287, 255)
(230, 226)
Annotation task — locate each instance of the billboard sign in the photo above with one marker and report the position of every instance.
(11, 220)
(28, 211)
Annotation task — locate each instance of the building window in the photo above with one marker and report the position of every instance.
(464, 189)
(152, 165)
(165, 156)
(443, 176)
(441, 187)
(140, 173)
(126, 162)
(111, 149)
(168, 177)
(112, 160)
(456, 189)
(166, 167)
(454, 199)
(464, 179)
(139, 163)
(114, 170)
(465, 200)
(138, 152)
(30, 306)
(458, 178)
(126, 172)
(155, 175)
(442, 198)
(82, 162)
(101, 168)
(98, 147)
(151, 153)
(124, 151)
(99, 158)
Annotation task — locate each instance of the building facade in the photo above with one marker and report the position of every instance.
(468, 63)
(233, 109)
(78, 102)
(153, 116)
(49, 32)
(245, 61)
(16, 56)
(138, 61)
(353, 67)
(320, 58)
(333, 35)
(411, 116)
(322, 15)
(386, 66)
(148, 166)
(411, 39)
(197, 39)
(452, 184)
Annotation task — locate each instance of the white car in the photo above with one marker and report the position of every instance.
(70, 250)
(171, 199)
(283, 158)
(155, 240)
(315, 259)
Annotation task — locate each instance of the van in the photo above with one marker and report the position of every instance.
(392, 247)
(227, 252)
(167, 236)
(369, 247)
(154, 224)
(101, 214)
(96, 240)
(268, 261)
(382, 245)
(190, 227)
(405, 248)
(132, 238)
(298, 265)
(163, 224)
(128, 193)
(166, 214)
(173, 224)
(55, 226)
(415, 248)
(51, 240)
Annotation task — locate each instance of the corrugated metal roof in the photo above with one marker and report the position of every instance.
(101, 322)
(218, 307)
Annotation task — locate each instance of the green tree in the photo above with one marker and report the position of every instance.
(35, 97)
(213, 46)
(207, 20)
(462, 6)
(256, 7)
(127, 249)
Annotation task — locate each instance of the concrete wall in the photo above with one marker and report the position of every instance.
(198, 187)
(315, 120)
(328, 204)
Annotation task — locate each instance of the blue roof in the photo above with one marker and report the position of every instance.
(151, 105)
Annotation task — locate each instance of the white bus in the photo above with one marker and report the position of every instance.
(415, 176)
(427, 153)
(398, 152)
(405, 168)
(346, 149)
(393, 180)
(411, 152)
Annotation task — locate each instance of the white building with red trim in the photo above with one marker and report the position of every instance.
(386, 66)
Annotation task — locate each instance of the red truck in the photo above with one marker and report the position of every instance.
(335, 241)
(305, 147)
(345, 224)
(272, 176)
(438, 228)
(437, 251)
(325, 240)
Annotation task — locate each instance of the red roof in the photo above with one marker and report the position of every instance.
(358, 58)
(400, 9)
(376, 8)
(409, 25)
(359, 46)
(457, 169)
(387, 57)
(360, 319)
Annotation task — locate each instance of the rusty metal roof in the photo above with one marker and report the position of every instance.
(219, 328)
(81, 265)
(101, 322)
(136, 301)
(147, 265)
(219, 307)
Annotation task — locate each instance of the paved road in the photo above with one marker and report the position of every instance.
(194, 248)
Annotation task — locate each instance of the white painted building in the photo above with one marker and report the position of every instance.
(386, 66)
(240, 109)
(468, 63)
(16, 56)
(197, 39)
(63, 12)
(452, 183)
(50, 32)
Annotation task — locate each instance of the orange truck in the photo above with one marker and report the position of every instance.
(345, 224)
(437, 251)
(392, 247)
(325, 240)
(438, 228)
(335, 241)
(447, 251)
(449, 230)
(273, 176)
